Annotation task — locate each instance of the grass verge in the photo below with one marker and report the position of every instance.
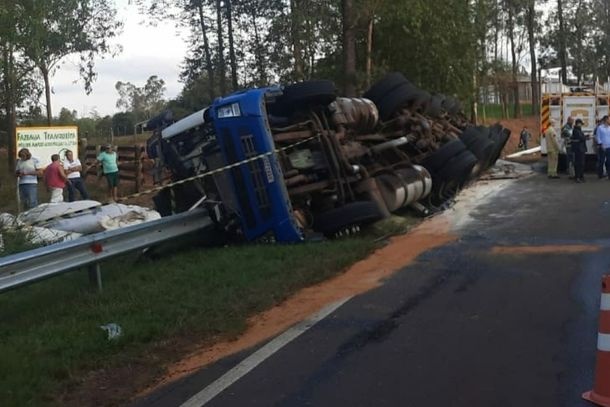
(50, 333)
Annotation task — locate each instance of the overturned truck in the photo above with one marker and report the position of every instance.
(276, 163)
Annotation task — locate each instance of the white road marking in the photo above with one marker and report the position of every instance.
(603, 342)
(258, 357)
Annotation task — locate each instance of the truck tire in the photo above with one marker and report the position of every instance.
(452, 106)
(384, 86)
(351, 214)
(500, 139)
(303, 95)
(459, 168)
(435, 108)
(394, 100)
(483, 149)
(419, 100)
(471, 135)
(437, 159)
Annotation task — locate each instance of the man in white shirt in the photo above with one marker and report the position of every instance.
(73, 168)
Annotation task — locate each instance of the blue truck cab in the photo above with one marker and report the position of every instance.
(243, 133)
(231, 137)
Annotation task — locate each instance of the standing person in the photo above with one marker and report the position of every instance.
(579, 149)
(552, 150)
(73, 167)
(27, 169)
(55, 179)
(602, 139)
(598, 148)
(524, 137)
(566, 135)
(110, 166)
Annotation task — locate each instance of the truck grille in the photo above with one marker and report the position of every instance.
(258, 172)
(241, 189)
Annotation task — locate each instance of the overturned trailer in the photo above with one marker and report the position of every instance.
(277, 162)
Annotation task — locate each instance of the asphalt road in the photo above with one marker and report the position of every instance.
(465, 325)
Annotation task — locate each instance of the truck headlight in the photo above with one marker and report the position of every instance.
(227, 111)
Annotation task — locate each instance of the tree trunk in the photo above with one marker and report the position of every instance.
(369, 52)
(496, 29)
(232, 59)
(515, 84)
(531, 28)
(562, 43)
(9, 105)
(349, 48)
(260, 62)
(47, 92)
(206, 51)
(297, 50)
(221, 51)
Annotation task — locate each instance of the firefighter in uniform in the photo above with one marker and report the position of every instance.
(552, 149)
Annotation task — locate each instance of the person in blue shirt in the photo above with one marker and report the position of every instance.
(110, 165)
(602, 138)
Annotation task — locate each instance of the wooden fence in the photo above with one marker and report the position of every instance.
(130, 162)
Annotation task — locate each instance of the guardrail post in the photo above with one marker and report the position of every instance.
(95, 276)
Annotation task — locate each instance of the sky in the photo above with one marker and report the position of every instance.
(146, 51)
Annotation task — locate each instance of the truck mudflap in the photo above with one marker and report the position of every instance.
(260, 193)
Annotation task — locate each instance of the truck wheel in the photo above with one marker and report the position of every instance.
(459, 168)
(438, 158)
(385, 85)
(435, 108)
(483, 149)
(394, 100)
(500, 139)
(419, 100)
(452, 105)
(303, 95)
(351, 214)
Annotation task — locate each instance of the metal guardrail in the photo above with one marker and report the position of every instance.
(27, 267)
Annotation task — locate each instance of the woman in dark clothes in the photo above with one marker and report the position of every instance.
(578, 142)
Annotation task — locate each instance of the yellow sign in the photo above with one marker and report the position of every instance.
(43, 142)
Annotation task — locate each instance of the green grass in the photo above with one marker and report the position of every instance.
(14, 241)
(50, 335)
(495, 111)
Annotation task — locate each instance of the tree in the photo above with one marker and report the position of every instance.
(53, 29)
(561, 42)
(430, 42)
(67, 116)
(222, 75)
(104, 127)
(349, 48)
(531, 19)
(123, 123)
(511, 11)
(145, 101)
(19, 86)
(231, 35)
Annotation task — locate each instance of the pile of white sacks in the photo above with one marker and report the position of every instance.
(55, 222)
